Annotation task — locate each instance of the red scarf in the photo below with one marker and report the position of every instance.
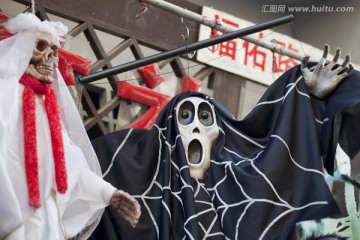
(32, 87)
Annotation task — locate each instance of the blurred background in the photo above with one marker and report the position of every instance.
(109, 34)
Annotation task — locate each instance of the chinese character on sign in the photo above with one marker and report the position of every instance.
(283, 63)
(258, 56)
(226, 48)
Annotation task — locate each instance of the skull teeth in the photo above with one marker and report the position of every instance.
(44, 70)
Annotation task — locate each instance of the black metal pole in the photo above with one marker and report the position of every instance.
(185, 49)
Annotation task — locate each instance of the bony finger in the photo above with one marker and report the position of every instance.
(129, 220)
(127, 196)
(304, 61)
(326, 50)
(128, 206)
(337, 55)
(346, 61)
(306, 74)
(351, 69)
(134, 223)
(347, 71)
(138, 213)
(125, 210)
(117, 194)
(130, 211)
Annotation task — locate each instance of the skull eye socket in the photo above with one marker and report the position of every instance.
(55, 50)
(42, 45)
(186, 113)
(205, 114)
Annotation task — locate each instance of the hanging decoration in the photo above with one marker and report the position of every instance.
(264, 174)
(50, 175)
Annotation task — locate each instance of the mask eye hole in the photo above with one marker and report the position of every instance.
(186, 113)
(205, 114)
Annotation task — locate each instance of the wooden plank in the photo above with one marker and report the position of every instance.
(227, 90)
(157, 28)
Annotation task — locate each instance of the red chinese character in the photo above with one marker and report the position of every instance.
(283, 63)
(226, 48)
(258, 56)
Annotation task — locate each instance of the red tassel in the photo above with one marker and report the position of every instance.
(52, 111)
(33, 86)
(31, 160)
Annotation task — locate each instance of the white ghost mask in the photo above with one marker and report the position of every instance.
(198, 130)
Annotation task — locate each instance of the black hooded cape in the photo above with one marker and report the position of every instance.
(266, 170)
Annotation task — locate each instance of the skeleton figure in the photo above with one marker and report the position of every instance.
(39, 207)
(42, 65)
(199, 173)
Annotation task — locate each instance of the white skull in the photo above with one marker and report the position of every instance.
(44, 59)
(198, 129)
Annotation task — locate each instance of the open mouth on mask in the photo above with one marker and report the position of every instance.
(195, 152)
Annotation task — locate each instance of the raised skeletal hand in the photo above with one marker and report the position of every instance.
(127, 206)
(326, 76)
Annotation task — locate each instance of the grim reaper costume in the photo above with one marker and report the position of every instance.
(43, 196)
(265, 174)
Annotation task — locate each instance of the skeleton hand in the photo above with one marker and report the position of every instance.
(127, 206)
(324, 79)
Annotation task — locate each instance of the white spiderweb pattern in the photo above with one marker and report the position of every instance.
(224, 207)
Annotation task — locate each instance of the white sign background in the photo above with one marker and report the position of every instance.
(250, 61)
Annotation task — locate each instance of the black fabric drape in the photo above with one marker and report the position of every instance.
(265, 174)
